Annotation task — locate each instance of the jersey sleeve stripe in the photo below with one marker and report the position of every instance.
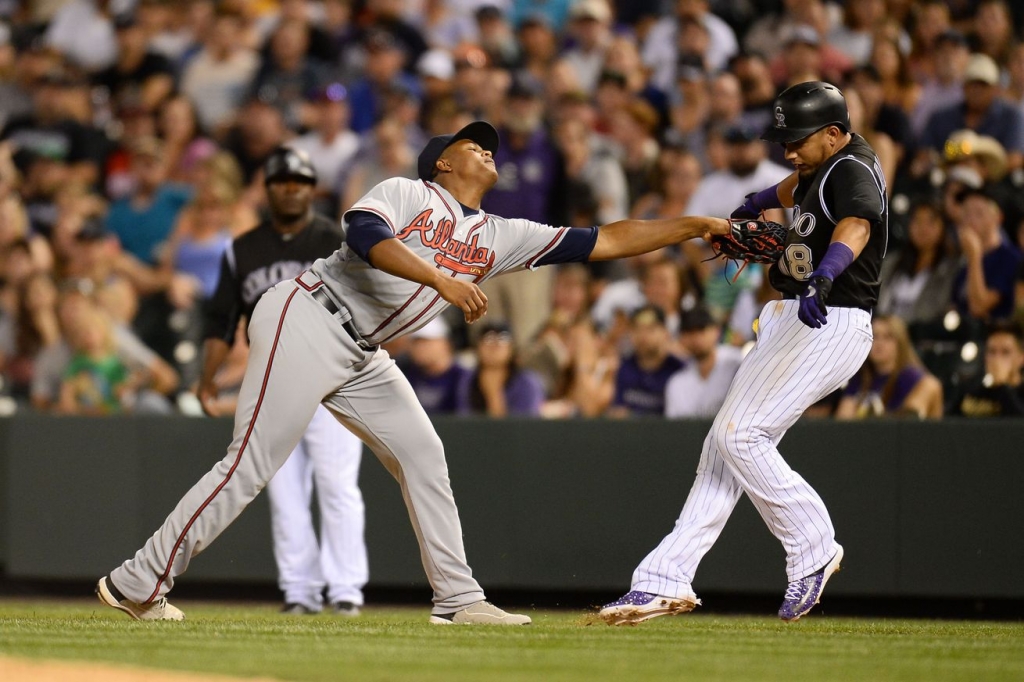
(375, 212)
(551, 245)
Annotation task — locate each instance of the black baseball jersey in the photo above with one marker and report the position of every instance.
(259, 259)
(848, 184)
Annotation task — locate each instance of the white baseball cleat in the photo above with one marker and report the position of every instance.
(636, 607)
(158, 610)
(481, 613)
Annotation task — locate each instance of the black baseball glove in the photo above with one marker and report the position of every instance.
(752, 241)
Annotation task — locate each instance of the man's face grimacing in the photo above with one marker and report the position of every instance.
(290, 197)
(808, 154)
(466, 159)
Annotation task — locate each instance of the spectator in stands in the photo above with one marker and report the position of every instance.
(83, 30)
(320, 45)
(431, 368)
(884, 125)
(444, 25)
(899, 88)
(385, 59)
(138, 75)
(184, 146)
(944, 88)
(641, 379)
(259, 130)
(931, 20)
(386, 154)
(660, 49)
(143, 222)
(548, 353)
(287, 74)
(917, 282)
(331, 144)
(634, 128)
(217, 77)
(806, 58)
(892, 381)
(436, 70)
(499, 387)
(699, 388)
(95, 382)
(982, 111)
(32, 329)
(586, 162)
(690, 110)
(756, 87)
(393, 17)
(497, 38)
(764, 35)
(1014, 91)
(984, 287)
(999, 393)
(539, 45)
(854, 37)
(993, 30)
(590, 28)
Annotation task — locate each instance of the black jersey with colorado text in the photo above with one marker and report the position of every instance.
(848, 184)
(259, 259)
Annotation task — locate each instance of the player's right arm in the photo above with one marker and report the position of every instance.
(395, 258)
(220, 322)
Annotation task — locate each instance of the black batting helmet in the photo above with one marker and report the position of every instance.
(285, 162)
(806, 108)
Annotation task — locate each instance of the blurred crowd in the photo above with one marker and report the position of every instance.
(133, 132)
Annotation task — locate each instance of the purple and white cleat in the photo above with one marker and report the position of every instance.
(635, 607)
(803, 594)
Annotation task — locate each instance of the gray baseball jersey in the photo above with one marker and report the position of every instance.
(427, 219)
(304, 353)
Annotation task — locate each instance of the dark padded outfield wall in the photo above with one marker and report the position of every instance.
(923, 509)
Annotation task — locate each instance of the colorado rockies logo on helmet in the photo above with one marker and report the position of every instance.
(780, 118)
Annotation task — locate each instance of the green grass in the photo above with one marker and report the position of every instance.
(399, 644)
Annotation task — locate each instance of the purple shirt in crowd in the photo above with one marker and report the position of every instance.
(905, 382)
(526, 179)
(437, 394)
(641, 391)
(524, 394)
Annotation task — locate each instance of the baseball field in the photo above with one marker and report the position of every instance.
(78, 640)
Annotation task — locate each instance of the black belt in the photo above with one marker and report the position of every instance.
(320, 296)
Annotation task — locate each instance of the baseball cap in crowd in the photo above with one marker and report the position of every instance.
(495, 329)
(380, 40)
(329, 92)
(802, 34)
(983, 191)
(436, 64)
(125, 20)
(481, 132)
(488, 13)
(952, 37)
(648, 314)
(741, 133)
(982, 69)
(597, 10)
(525, 86)
(92, 230)
(695, 319)
(690, 68)
(437, 328)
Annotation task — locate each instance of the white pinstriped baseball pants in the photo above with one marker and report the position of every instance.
(789, 369)
(329, 455)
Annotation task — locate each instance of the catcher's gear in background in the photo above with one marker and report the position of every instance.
(812, 301)
(806, 108)
(753, 241)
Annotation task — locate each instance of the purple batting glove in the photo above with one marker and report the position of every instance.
(812, 302)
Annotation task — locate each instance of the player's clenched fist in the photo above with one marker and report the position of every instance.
(466, 296)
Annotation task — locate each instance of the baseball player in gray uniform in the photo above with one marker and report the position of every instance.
(804, 351)
(413, 247)
(279, 248)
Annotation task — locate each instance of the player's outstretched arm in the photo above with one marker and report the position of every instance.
(395, 258)
(625, 238)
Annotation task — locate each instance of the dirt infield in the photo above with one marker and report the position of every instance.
(24, 670)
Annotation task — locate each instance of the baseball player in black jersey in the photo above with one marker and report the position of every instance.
(808, 345)
(277, 249)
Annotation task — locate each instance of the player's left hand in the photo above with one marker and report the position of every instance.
(813, 312)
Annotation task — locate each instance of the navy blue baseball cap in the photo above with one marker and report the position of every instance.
(481, 132)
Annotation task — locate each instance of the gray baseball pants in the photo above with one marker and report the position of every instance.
(301, 356)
